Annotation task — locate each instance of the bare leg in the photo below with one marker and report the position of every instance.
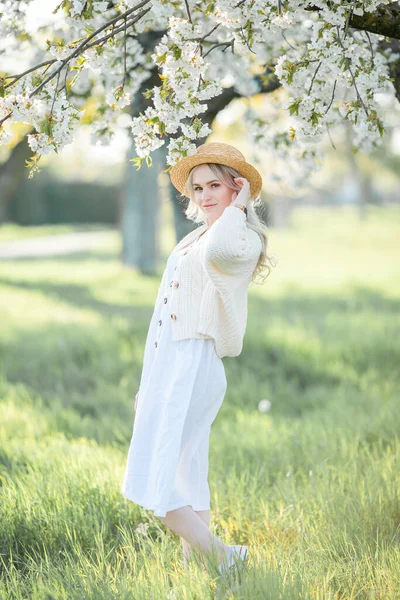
(187, 549)
(191, 527)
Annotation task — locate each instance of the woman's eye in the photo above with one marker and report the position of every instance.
(197, 188)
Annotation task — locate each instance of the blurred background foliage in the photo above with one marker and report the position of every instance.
(86, 182)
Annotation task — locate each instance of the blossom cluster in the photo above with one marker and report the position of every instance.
(184, 85)
(330, 71)
(52, 120)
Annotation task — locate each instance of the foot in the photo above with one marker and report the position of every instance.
(223, 554)
(234, 554)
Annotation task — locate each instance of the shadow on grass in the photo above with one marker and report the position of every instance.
(269, 362)
(80, 296)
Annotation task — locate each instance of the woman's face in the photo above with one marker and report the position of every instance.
(208, 190)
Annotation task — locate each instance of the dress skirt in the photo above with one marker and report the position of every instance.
(182, 388)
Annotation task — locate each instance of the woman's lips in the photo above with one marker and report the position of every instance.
(208, 207)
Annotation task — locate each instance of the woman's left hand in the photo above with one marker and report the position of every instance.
(243, 197)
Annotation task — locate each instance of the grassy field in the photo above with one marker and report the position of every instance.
(310, 485)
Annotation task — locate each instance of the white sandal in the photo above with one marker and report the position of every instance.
(235, 553)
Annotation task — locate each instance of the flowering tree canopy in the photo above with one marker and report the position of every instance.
(332, 57)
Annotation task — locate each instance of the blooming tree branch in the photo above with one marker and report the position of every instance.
(331, 57)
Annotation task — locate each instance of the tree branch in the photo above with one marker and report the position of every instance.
(384, 21)
(84, 45)
(394, 66)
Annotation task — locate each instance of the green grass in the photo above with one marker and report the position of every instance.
(311, 486)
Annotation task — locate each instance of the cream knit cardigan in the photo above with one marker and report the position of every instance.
(210, 299)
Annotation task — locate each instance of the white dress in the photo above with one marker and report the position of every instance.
(182, 388)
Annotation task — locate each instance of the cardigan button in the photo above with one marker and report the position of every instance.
(173, 316)
(165, 300)
(174, 284)
(159, 322)
(155, 343)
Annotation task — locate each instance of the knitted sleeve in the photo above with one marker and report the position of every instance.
(232, 247)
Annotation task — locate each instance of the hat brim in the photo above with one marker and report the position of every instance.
(180, 172)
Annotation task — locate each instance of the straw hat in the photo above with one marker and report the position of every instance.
(222, 154)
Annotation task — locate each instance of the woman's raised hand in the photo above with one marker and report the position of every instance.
(243, 196)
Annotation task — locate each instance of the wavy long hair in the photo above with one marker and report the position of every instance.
(197, 215)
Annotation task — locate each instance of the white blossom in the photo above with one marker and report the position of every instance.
(327, 74)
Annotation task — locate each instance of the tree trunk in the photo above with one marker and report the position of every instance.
(363, 189)
(12, 172)
(281, 212)
(140, 222)
(182, 225)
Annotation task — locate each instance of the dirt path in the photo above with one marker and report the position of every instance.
(52, 245)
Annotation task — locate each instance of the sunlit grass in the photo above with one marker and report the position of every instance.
(310, 485)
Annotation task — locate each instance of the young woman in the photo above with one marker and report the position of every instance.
(199, 317)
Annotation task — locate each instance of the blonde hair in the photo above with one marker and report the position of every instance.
(194, 213)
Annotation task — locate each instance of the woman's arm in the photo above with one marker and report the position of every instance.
(230, 244)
